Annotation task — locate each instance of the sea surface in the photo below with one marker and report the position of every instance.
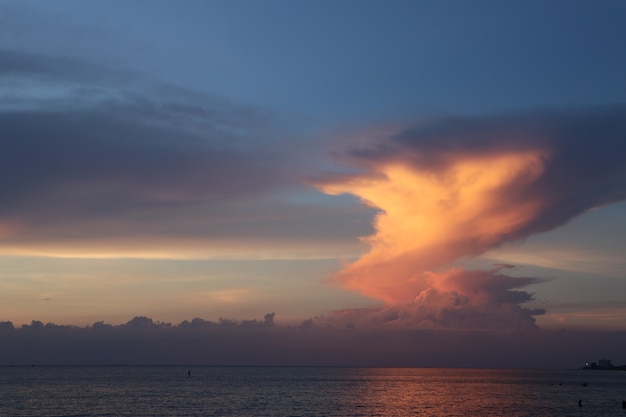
(307, 391)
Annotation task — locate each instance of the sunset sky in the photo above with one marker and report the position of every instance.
(420, 166)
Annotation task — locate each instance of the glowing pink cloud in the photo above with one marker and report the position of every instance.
(456, 189)
(430, 218)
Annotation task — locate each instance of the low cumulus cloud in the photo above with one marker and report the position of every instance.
(454, 188)
(455, 299)
(143, 341)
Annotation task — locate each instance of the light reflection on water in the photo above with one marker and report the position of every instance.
(288, 391)
(465, 392)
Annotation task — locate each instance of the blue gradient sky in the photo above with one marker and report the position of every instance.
(160, 157)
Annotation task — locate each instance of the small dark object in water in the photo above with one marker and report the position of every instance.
(580, 403)
(623, 404)
(189, 372)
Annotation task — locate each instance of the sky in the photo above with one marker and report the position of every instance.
(427, 183)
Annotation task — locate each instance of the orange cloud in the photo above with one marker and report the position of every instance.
(454, 188)
(431, 217)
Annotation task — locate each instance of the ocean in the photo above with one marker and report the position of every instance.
(307, 391)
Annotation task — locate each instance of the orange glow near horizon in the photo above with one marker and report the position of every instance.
(431, 217)
(181, 249)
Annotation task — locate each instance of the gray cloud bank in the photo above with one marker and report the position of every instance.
(142, 341)
(80, 125)
(101, 157)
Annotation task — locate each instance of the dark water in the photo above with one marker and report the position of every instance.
(268, 391)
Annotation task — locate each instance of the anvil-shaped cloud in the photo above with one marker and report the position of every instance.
(455, 188)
